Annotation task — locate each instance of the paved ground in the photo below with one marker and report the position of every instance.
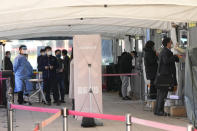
(112, 104)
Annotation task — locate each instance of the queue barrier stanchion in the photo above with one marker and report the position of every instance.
(128, 122)
(65, 113)
(190, 127)
(37, 127)
(65, 119)
(40, 126)
(10, 117)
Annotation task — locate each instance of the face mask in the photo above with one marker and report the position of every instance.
(42, 53)
(24, 52)
(49, 53)
(58, 55)
(9, 56)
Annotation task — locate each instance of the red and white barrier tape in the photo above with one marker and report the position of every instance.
(127, 74)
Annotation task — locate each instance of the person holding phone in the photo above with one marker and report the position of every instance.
(48, 67)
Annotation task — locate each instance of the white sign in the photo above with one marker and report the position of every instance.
(87, 73)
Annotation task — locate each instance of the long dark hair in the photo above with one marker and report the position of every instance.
(149, 44)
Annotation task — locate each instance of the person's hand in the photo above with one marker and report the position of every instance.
(60, 70)
(176, 46)
(157, 54)
(179, 56)
(175, 89)
(132, 54)
(51, 67)
(46, 67)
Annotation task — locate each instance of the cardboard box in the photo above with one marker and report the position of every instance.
(177, 111)
(153, 103)
(167, 109)
(149, 105)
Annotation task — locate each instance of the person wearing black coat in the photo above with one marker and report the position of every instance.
(125, 68)
(60, 75)
(166, 67)
(150, 62)
(48, 66)
(8, 66)
(66, 60)
(39, 59)
(7, 62)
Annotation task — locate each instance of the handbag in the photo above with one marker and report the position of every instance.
(164, 80)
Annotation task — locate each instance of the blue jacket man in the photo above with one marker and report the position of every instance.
(21, 69)
(48, 66)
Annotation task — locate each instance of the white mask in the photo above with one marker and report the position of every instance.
(49, 53)
(24, 52)
(42, 53)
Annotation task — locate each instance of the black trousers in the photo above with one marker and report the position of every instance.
(153, 90)
(20, 97)
(61, 87)
(50, 84)
(66, 84)
(160, 101)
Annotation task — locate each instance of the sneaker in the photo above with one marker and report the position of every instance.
(124, 98)
(58, 103)
(62, 101)
(162, 114)
(128, 98)
(48, 103)
(22, 102)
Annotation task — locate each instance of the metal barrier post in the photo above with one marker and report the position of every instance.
(40, 126)
(10, 117)
(65, 119)
(128, 122)
(190, 127)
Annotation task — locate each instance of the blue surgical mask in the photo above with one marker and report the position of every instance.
(58, 55)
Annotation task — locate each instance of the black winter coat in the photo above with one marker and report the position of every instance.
(8, 64)
(49, 61)
(39, 61)
(66, 61)
(60, 65)
(150, 62)
(167, 65)
(126, 63)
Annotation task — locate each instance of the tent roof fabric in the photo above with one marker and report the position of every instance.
(24, 16)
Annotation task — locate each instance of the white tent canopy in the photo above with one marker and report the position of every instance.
(106, 31)
(35, 17)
